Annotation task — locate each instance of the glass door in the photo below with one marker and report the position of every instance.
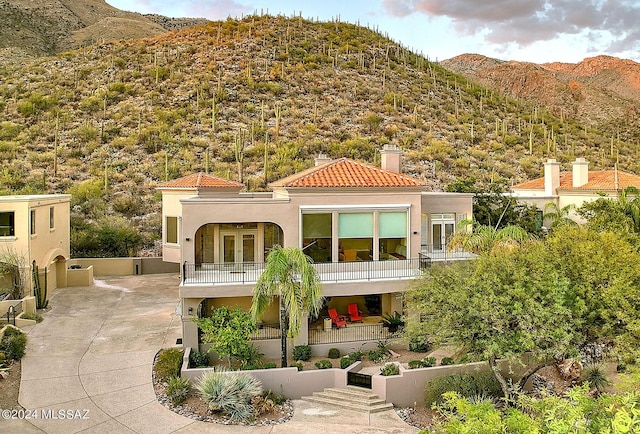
(228, 247)
(441, 231)
(238, 246)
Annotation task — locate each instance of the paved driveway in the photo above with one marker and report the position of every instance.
(91, 359)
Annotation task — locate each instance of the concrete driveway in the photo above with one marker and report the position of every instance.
(88, 368)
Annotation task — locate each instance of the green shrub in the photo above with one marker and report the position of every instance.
(302, 352)
(298, 365)
(447, 361)
(178, 390)
(3, 360)
(390, 369)
(278, 398)
(596, 376)
(33, 316)
(413, 364)
(269, 365)
(324, 364)
(466, 385)
(13, 344)
(334, 353)
(428, 362)
(377, 355)
(345, 362)
(248, 367)
(230, 393)
(168, 364)
(356, 356)
(418, 344)
(199, 359)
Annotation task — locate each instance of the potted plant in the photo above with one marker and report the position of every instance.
(392, 322)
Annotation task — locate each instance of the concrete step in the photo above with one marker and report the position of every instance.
(352, 398)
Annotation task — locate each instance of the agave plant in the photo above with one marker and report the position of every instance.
(230, 393)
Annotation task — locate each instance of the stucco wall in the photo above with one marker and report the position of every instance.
(125, 266)
(80, 277)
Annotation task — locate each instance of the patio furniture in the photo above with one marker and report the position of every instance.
(355, 314)
(337, 320)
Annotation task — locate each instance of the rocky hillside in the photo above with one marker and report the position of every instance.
(255, 100)
(602, 91)
(44, 27)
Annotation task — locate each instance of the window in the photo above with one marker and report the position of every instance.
(316, 236)
(172, 230)
(7, 227)
(355, 236)
(51, 218)
(32, 222)
(392, 233)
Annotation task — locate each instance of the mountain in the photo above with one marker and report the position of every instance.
(44, 27)
(255, 100)
(602, 91)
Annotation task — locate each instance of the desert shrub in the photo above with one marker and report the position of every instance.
(302, 352)
(413, 364)
(269, 365)
(178, 390)
(377, 355)
(418, 344)
(199, 359)
(278, 398)
(447, 361)
(334, 353)
(3, 360)
(298, 365)
(390, 369)
(428, 362)
(595, 375)
(13, 344)
(262, 405)
(466, 385)
(230, 393)
(324, 364)
(252, 356)
(356, 356)
(345, 362)
(33, 316)
(168, 364)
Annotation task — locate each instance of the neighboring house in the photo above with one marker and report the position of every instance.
(573, 188)
(369, 231)
(35, 228)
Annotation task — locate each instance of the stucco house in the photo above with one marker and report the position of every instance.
(574, 187)
(35, 228)
(369, 231)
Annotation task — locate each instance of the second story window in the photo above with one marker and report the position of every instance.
(51, 218)
(32, 222)
(7, 225)
(172, 230)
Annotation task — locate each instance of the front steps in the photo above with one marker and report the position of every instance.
(351, 398)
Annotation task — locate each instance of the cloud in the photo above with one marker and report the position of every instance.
(216, 10)
(525, 22)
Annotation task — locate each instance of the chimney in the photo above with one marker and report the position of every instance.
(322, 159)
(580, 172)
(551, 177)
(391, 158)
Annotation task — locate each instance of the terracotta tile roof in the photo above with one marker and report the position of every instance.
(348, 173)
(603, 180)
(200, 180)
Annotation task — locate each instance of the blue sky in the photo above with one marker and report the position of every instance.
(526, 30)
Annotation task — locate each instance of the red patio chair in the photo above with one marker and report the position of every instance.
(337, 320)
(354, 313)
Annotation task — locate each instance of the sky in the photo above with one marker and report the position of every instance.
(536, 31)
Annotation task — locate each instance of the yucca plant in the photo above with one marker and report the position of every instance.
(595, 375)
(178, 390)
(230, 393)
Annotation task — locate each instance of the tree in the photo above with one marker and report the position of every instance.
(488, 239)
(619, 215)
(499, 306)
(290, 276)
(228, 332)
(558, 216)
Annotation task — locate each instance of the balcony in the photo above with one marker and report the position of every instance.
(329, 272)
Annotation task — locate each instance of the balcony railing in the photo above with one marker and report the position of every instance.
(249, 272)
(442, 252)
(351, 333)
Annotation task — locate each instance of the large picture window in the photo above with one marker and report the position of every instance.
(355, 236)
(316, 236)
(392, 234)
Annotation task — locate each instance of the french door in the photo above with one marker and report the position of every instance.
(441, 231)
(238, 246)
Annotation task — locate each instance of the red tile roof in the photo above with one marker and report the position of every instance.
(200, 180)
(603, 180)
(348, 173)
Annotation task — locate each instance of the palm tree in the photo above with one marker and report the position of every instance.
(488, 239)
(558, 216)
(290, 276)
